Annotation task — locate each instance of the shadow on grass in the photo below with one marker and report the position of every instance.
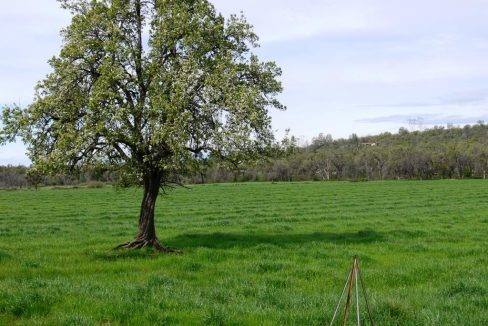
(240, 240)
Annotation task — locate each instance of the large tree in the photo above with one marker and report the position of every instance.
(149, 87)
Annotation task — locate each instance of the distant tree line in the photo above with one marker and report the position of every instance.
(437, 153)
(23, 177)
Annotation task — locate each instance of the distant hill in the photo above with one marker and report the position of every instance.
(437, 153)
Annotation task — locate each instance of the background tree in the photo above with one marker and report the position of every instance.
(34, 178)
(379, 156)
(479, 153)
(148, 87)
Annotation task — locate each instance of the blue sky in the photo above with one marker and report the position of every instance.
(362, 66)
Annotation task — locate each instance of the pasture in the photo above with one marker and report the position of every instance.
(253, 254)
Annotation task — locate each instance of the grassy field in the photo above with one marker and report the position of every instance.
(253, 254)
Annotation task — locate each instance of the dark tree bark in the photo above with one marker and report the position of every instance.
(146, 236)
(147, 230)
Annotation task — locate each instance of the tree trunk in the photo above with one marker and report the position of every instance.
(147, 229)
(146, 235)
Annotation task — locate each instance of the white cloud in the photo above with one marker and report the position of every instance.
(13, 154)
(285, 20)
(30, 37)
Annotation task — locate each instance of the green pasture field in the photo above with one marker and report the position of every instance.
(253, 254)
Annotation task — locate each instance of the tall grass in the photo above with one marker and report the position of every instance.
(253, 254)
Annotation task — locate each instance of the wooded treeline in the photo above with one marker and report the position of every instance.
(437, 153)
(22, 177)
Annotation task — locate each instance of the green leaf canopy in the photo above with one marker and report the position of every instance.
(149, 85)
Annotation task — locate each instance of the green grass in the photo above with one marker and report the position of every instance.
(253, 254)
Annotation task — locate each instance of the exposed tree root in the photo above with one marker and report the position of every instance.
(145, 243)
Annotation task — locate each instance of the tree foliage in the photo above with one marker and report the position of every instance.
(149, 86)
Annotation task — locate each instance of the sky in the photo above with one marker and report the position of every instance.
(349, 66)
